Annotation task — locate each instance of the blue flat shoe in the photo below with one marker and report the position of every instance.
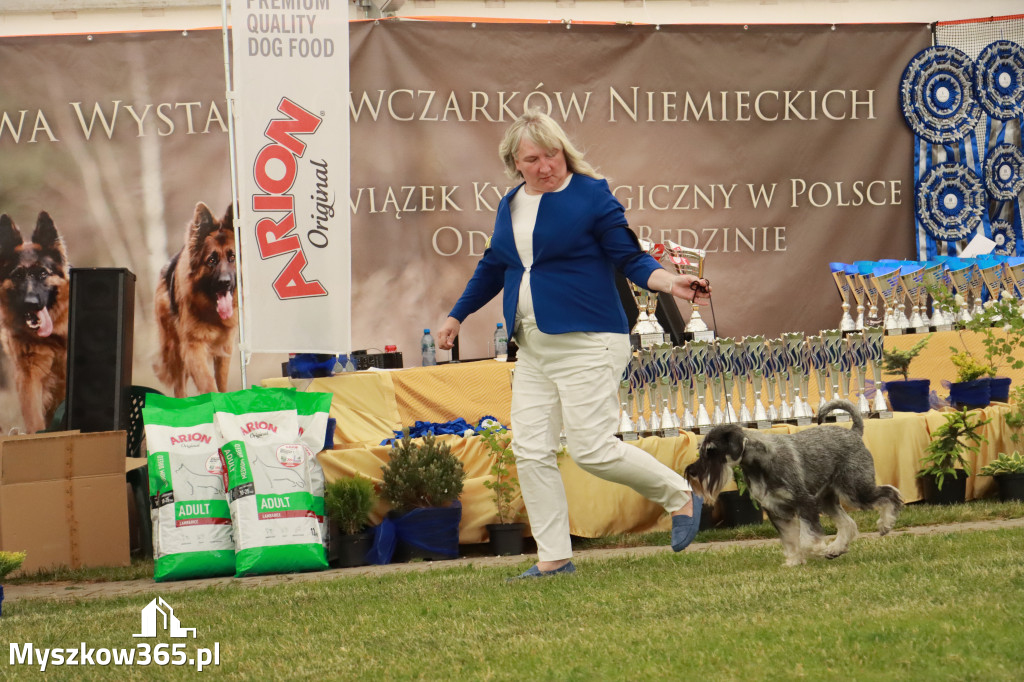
(684, 528)
(534, 572)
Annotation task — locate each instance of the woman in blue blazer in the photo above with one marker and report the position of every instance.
(559, 237)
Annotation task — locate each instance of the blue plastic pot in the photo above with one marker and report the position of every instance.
(908, 395)
(999, 388)
(971, 394)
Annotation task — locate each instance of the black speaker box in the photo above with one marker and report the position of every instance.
(100, 331)
(667, 312)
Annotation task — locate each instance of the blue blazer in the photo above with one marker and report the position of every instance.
(581, 237)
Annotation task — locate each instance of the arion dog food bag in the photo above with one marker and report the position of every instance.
(274, 482)
(192, 535)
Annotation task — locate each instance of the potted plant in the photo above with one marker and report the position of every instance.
(1001, 349)
(9, 562)
(422, 483)
(1008, 472)
(348, 503)
(506, 536)
(738, 508)
(971, 388)
(944, 469)
(906, 395)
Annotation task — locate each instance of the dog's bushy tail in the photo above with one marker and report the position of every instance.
(846, 406)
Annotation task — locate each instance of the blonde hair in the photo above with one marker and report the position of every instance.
(544, 132)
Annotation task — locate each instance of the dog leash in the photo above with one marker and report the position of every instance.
(704, 288)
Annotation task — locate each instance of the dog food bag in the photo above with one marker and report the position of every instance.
(271, 476)
(313, 410)
(192, 533)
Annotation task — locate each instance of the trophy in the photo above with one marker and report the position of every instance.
(743, 369)
(960, 277)
(727, 355)
(887, 281)
(794, 346)
(663, 371)
(832, 342)
(874, 338)
(636, 382)
(913, 283)
(870, 284)
(1013, 277)
(992, 279)
(856, 284)
(771, 375)
(756, 352)
(627, 429)
(819, 363)
(651, 388)
(935, 281)
(859, 359)
(699, 352)
(846, 323)
(682, 372)
(646, 331)
(690, 262)
(976, 285)
(780, 363)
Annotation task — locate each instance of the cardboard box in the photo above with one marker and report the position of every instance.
(62, 499)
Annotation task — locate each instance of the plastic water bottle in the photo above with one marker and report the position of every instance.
(344, 364)
(428, 349)
(500, 341)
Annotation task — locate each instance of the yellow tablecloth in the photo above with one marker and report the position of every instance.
(370, 406)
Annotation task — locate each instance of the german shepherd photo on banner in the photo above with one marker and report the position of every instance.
(196, 307)
(34, 303)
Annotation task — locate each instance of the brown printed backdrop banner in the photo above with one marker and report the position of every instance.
(777, 149)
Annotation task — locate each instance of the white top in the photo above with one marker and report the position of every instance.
(523, 208)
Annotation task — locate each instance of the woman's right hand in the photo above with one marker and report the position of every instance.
(447, 333)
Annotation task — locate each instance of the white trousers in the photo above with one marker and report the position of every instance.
(572, 380)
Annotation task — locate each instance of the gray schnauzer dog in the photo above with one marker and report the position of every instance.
(795, 477)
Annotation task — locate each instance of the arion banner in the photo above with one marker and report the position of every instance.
(290, 73)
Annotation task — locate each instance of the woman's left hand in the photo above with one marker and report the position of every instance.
(691, 288)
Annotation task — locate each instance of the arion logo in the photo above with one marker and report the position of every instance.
(157, 614)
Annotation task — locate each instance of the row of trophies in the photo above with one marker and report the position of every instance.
(648, 332)
(666, 388)
(890, 285)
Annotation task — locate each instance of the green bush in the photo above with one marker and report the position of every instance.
(505, 486)
(945, 452)
(348, 502)
(10, 562)
(1004, 464)
(421, 474)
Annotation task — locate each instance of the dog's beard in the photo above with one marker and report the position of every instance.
(711, 481)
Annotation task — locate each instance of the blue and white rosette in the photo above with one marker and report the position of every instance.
(1004, 172)
(938, 103)
(999, 80)
(1004, 237)
(950, 202)
(999, 89)
(937, 94)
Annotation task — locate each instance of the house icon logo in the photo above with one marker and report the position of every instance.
(159, 612)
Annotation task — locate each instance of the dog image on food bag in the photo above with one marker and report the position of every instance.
(34, 307)
(196, 306)
(798, 476)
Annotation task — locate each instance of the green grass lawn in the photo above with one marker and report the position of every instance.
(944, 606)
